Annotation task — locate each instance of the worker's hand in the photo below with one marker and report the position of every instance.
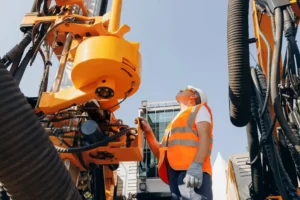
(144, 125)
(194, 176)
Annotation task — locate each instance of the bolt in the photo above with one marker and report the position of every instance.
(77, 36)
(60, 44)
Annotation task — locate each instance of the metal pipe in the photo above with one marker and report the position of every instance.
(276, 54)
(62, 63)
(65, 52)
(114, 22)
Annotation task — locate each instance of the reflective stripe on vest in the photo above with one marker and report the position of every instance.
(190, 143)
(187, 143)
(185, 129)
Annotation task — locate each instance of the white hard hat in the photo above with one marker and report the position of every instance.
(199, 93)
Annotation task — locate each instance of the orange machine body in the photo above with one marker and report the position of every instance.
(105, 60)
(114, 153)
(100, 61)
(101, 58)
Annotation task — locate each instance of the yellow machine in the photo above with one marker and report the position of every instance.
(78, 119)
(265, 98)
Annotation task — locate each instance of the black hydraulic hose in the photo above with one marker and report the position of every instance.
(238, 62)
(256, 166)
(287, 159)
(274, 81)
(23, 65)
(17, 51)
(45, 7)
(292, 65)
(30, 167)
(289, 31)
(20, 51)
(15, 64)
(259, 87)
(103, 7)
(285, 63)
(21, 69)
(295, 155)
(92, 146)
(267, 97)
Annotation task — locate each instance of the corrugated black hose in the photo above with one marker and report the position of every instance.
(24, 63)
(267, 94)
(30, 167)
(19, 48)
(287, 159)
(238, 62)
(255, 149)
(256, 167)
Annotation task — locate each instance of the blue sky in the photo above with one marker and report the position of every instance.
(181, 44)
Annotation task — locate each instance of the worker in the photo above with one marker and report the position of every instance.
(184, 153)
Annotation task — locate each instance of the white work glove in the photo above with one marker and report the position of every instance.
(194, 176)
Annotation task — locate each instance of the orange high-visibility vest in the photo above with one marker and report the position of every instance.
(180, 143)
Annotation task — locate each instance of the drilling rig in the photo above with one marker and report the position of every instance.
(66, 143)
(265, 98)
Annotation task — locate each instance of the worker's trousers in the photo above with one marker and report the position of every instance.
(180, 192)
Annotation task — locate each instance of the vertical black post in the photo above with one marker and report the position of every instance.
(98, 182)
(103, 7)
